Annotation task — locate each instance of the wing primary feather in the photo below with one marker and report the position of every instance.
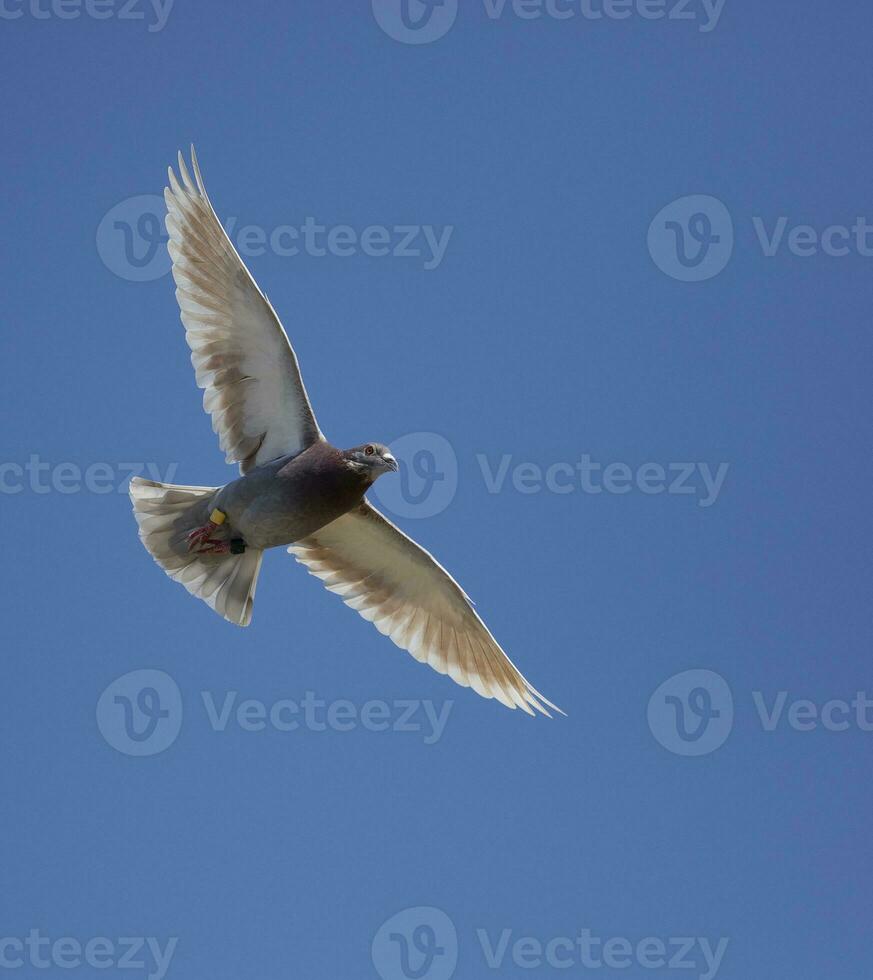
(398, 586)
(222, 307)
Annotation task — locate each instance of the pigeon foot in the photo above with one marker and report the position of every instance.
(200, 542)
(200, 539)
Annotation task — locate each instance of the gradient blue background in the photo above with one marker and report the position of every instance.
(546, 332)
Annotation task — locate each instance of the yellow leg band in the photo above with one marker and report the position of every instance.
(218, 517)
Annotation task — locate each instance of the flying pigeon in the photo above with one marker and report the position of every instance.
(295, 488)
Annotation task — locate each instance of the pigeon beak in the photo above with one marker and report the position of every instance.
(392, 462)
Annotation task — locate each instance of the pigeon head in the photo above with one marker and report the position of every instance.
(371, 460)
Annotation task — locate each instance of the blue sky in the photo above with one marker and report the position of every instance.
(655, 489)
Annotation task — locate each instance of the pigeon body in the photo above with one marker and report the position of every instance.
(286, 500)
(295, 488)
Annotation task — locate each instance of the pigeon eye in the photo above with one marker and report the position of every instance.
(369, 450)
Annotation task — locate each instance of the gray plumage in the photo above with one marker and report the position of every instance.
(295, 489)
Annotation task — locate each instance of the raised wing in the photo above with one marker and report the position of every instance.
(411, 598)
(241, 354)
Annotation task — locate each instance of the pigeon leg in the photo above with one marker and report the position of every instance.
(201, 543)
(200, 539)
(201, 536)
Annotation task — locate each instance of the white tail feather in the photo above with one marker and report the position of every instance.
(226, 583)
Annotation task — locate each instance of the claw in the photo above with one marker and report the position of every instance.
(200, 540)
(201, 536)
